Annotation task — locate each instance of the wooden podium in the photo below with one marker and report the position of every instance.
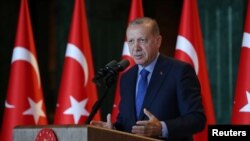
(76, 133)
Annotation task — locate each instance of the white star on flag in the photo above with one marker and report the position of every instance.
(35, 110)
(246, 108)
(77, 109)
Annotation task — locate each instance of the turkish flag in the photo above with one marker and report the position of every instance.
(77, 92)
(24, 104)
(241, 107)
(136, 11)
(189, 48)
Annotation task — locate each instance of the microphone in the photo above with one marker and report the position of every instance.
(107, 74)
(103, 71)
(123, 64)
(120, 66)
(113, 72)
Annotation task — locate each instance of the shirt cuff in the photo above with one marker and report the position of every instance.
(164, 130)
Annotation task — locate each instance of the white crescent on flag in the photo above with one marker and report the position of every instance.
(21, 53)
(75, 53)
(125, 49)
(184, 45)
(246, 40)
(7, 105)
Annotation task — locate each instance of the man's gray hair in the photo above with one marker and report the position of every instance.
(147, 21)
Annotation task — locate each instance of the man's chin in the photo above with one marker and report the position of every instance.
(139, 62)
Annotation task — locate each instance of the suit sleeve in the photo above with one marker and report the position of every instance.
(192, 118)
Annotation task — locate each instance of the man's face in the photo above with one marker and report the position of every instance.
(143, 45)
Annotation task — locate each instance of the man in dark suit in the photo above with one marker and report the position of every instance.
(160, 96)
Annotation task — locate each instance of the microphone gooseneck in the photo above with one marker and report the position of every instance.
(107, 74)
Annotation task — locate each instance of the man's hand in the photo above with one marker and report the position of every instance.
(150, 128)
(107, 124)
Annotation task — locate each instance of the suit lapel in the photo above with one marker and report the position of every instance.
(159, 74)
(131, 92)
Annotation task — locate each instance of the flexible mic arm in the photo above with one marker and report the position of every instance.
(111, 71)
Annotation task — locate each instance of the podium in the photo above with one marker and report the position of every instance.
(76, 133)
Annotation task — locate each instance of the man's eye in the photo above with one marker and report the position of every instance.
(130, 41)
(142, 40)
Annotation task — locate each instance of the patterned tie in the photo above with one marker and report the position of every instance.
(142, 88)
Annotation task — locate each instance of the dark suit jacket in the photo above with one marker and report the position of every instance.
(173, 96)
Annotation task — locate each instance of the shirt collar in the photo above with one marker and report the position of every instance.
(151, 66)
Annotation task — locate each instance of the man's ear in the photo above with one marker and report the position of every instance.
(158, 40)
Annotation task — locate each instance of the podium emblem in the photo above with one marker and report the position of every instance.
(46, 134)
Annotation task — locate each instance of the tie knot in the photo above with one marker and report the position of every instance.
(144, 73)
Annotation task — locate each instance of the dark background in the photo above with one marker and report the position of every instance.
(222, 27)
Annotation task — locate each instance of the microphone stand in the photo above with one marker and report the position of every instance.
(96, 106)
(107, 81)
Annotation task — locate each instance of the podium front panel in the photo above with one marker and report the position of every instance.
(63, 133)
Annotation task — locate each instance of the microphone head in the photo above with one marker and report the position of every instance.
(102, 72)
(123, 64)
(111, 63)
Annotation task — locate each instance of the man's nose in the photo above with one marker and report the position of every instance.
(137, 46)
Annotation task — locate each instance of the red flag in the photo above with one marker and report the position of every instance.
(189, 48)
(136, 11)
(77, 92)
(24, 104)
(241, 107)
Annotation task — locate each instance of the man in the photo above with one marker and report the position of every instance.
(168, 103)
